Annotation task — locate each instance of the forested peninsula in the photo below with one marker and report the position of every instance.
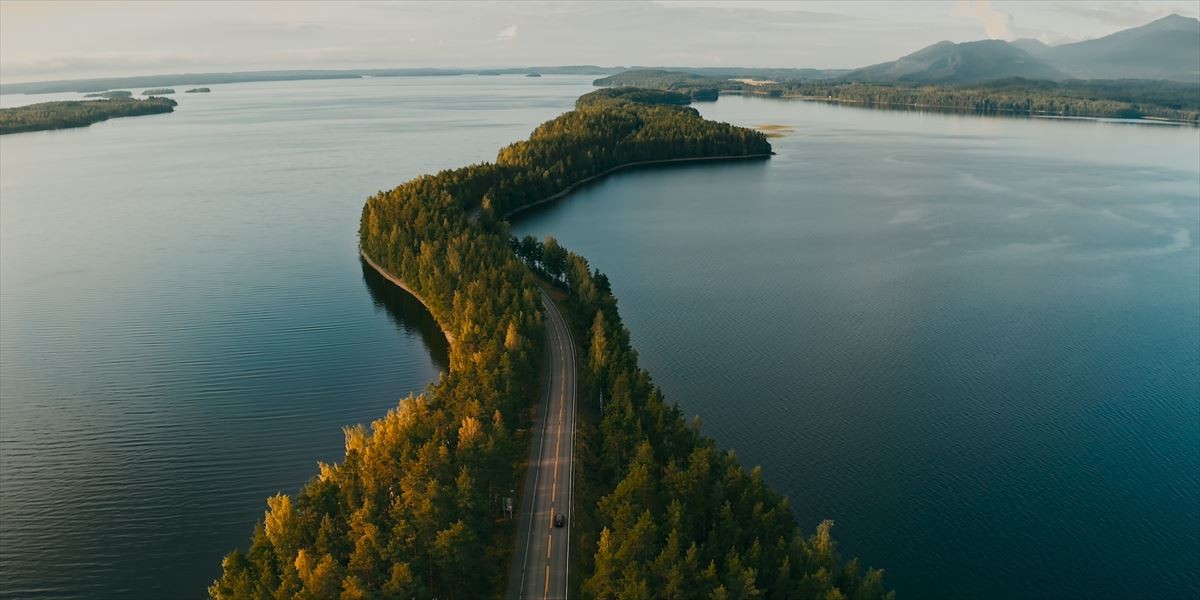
(414, 509)
(1126, 98)
(78, 113)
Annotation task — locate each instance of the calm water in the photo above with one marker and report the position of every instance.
(184, 322)
(972, 342)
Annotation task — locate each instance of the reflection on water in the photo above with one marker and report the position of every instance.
(972, 342)
(184, 324)
(409, 315)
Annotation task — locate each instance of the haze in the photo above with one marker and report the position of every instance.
(63, 40)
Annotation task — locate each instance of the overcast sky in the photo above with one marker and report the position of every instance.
(62, 40)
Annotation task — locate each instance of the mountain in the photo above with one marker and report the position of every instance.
(1168, 48)
(970, 62)
(1032, 47)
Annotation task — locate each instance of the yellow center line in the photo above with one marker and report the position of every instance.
(558, 349)
(558, 437)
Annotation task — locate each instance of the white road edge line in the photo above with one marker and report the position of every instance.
(571, 484)
(536, 477)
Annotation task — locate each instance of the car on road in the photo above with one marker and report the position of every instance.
(559, 520)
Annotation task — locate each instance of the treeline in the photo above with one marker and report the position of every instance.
(665, 513)
(698, 87)
(627, 95)
(1093, 99)
(415, 507)
(1167, 94)
(605, 132)
(1078, 98)
(77, 113)
(413, 510)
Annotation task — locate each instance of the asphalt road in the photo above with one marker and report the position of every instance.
(540, 567)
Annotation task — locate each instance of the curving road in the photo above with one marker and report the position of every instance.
(540, 567)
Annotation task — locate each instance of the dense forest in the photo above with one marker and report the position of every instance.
(77, 113)
(699, 87)
(631, 95)
(1074, 98)
(415, 507)
(1115, 99)
(674, 517)
(111, 94)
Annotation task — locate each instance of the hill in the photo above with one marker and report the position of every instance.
(969, 62)
(1035, 48)
(1168, 48)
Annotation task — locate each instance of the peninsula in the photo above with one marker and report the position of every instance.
(417, 508)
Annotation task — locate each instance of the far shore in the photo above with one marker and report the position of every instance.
(961, 109)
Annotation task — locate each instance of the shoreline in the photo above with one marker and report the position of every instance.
(571, 188)
(967, 109)
(396, 280)
(473, 217)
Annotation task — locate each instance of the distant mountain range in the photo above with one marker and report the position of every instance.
(970, 62)
(1168, 48)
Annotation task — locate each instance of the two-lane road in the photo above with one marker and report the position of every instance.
(540, 567)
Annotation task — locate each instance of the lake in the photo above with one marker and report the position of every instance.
(971, 341)
(185, 325)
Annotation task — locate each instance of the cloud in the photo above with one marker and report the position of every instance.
(996, 23)
(507, 34)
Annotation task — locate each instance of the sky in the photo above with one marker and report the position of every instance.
(47, 40)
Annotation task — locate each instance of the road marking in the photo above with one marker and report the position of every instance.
(562, 361)
(536, 478)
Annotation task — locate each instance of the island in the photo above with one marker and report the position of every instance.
(199, 90)
(158, 92)
(115, 94)
(533, 74)
(417, 506)
(78, 113)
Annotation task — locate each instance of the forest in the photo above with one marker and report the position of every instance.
(77, 113)
(414, 510)
(668, 514)
(1074, 98)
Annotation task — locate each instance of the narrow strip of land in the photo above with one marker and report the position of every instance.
(632, 165)
(540, 566)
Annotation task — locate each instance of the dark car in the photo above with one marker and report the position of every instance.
(559, 519)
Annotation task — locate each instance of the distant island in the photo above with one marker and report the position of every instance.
(199, 90)
(533, 74)
(179, 79)
(110, 94)
(158, 92)
(78, 113)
